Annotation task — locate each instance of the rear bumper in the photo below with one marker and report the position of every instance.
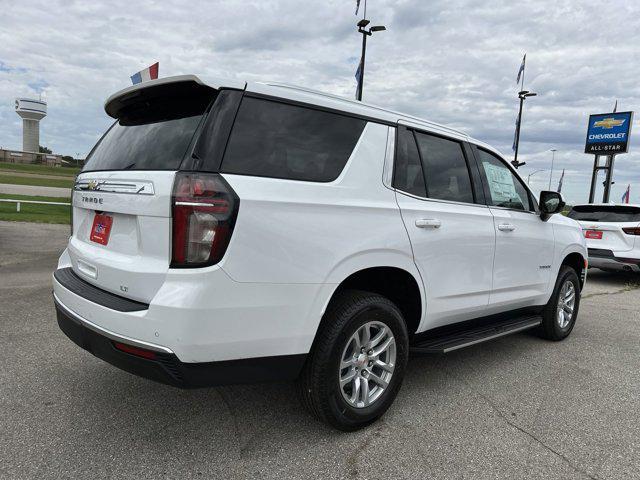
(607, 260)
(204, 316)
(165, 367)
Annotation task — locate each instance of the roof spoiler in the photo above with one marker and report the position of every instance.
(117, 102)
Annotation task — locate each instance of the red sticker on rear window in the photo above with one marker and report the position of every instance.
(101, 229)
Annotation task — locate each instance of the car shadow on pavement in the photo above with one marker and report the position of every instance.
(613, 279)
(263, 418)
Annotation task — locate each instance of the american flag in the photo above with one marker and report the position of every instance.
(627, 194)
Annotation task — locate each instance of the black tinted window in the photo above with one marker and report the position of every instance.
(271, 139)
(154, 128)
(445, 169)
(504, 188)
(408, 175)
(153, 146)
(604, 213)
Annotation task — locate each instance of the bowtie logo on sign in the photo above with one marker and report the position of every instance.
(609, 123)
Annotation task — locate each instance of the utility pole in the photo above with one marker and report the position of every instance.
(522, 94)
(365, 33)
(553, 157)
(532, 174)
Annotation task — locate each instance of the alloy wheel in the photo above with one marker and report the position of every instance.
(566, 304)
(367, 364)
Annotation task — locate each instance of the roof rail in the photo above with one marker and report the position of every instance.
(403, 116)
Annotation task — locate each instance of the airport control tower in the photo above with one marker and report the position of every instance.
(31, 111)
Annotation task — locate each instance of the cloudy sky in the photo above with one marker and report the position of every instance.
(450, 61)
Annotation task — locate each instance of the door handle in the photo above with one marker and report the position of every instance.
(428, 223)
(506, 227)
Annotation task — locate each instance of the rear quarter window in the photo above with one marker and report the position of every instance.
(273, 139)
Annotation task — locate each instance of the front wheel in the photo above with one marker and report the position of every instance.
(559, 315)
(357, 362)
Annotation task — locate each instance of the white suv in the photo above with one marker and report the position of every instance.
(227, 233)
(612, 232)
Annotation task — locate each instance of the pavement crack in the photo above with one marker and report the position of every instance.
(352, 459)
(533, 437)
(627, 288)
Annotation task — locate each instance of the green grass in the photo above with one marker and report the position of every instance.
(43, 169)
(43, 182)
(35, 213)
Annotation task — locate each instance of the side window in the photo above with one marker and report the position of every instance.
(407, 175)
(504, 188)
(272, 139)
(446, 169)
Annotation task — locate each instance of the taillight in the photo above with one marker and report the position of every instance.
(204, 213)
(632, 230)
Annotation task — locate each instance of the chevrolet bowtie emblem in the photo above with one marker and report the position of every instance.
(609, 123)
(92, 185)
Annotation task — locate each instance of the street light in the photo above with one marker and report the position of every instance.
(553, 157)
(533, 173)
(365, 33)
(521, 95)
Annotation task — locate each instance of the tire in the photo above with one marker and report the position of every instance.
(349, 315)
(553, 326)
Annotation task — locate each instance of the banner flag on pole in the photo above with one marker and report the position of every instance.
(521, 71)
(149, 73)
(627, 194)
(515, 136)
(358, 77)
(560, 182)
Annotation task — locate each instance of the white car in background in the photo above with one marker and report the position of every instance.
(612, 232)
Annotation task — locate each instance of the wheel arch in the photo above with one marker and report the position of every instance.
(399, 285)
(578, 262)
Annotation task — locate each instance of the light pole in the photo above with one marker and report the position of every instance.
(532, 174)
(365, 33)
(553, 157)
(521, 95)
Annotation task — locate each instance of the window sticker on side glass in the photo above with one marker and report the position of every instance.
(503, 190)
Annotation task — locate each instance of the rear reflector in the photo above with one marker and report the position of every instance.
(138, 352)
(632, 230)
(204, 213)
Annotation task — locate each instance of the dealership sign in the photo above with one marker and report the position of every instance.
(608, 133)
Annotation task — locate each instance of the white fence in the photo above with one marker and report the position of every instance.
(18, 202)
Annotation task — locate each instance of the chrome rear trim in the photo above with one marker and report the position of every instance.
(136, 187)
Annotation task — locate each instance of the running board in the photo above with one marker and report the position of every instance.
(478, 334)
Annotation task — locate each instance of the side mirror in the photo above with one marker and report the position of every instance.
(550, 204)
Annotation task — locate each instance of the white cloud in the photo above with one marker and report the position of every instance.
(451, 61)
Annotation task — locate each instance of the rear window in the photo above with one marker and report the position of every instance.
(605, 213)
(272, 139)
(153, 130)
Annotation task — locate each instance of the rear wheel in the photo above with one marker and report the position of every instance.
(560, 313)
(357, 362)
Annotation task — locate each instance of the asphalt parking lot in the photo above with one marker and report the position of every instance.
(518, 407)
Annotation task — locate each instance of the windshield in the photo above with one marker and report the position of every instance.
(605, 213)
